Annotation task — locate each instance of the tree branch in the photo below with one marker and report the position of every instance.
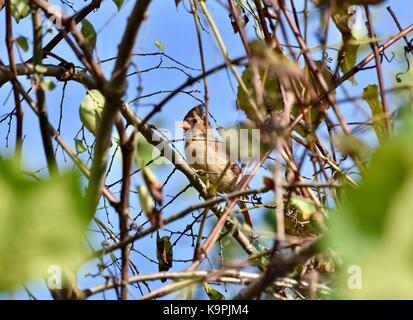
(113, 94)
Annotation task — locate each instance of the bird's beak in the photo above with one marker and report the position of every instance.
(185, 125)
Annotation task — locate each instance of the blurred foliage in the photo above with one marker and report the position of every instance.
(371, 229)
(42, 223)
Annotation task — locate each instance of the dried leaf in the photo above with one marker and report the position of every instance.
(164, 253)
(268, 182)
(153, 184)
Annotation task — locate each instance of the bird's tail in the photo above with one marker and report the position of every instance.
(247, 217)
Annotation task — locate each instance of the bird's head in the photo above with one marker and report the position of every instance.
(195, 119)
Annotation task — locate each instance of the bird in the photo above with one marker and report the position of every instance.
(207, 154)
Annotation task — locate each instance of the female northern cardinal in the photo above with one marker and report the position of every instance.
(206, 153)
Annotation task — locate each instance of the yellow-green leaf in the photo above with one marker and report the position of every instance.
(350, 58)
(349, 49)
(159, 45)
(371, 96)
(91, 109)
(145, 200)
(153, 184)
(212, 293)
(80, 147)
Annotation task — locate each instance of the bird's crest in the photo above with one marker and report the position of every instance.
(196, 111)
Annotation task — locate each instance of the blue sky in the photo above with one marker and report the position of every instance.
(175, 29)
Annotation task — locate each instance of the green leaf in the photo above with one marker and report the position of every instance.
(350, 58)
(89, 33)
(372, 228)
(42, 224)
(20, 9)
(80, 147)
(164, 252)
(40, 68)
(159, 45)
(91, 109)
(23, 43)
(119, 3)
(47, 85)
(212, 293)
(371, 96)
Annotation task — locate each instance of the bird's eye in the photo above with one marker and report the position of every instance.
(195, 121)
